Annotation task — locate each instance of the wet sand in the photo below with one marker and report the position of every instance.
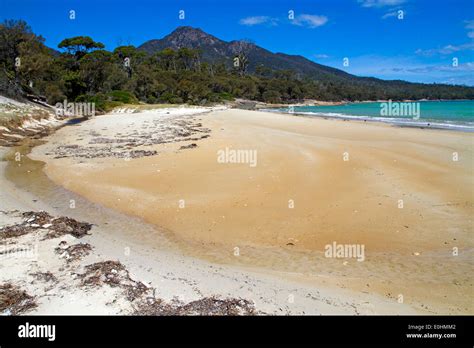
(396, 191)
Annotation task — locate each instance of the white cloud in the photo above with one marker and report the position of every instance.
(469, 24)
(470, 27)
(321, 56)
(389, 14)
(407, 68)
(448, 49)
(256, 20)
(306, 20)
(466, 67)
(311, 21)
(394, 14)
(380, 3)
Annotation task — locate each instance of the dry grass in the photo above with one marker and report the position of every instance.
(142, 107)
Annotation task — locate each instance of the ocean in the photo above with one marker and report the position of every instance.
(456, 115)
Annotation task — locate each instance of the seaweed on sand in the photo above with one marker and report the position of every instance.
(204, 306)
(33, 221)
(114, 274)
(14, 301)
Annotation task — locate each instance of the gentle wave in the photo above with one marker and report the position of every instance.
(464, 126)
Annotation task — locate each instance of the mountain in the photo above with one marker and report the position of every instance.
(82, 73)
(215, 50)
(333, 83)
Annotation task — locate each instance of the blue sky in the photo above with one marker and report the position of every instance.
(418, 44)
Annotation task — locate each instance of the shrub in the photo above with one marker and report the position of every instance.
(123, 96)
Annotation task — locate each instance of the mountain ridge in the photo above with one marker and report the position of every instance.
(329, 82)
(215, 50)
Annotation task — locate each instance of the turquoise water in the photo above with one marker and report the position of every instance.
(434, 114)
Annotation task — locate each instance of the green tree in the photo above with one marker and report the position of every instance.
(95, 68)
(79, 46)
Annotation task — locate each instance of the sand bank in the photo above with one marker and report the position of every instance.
(396, 192)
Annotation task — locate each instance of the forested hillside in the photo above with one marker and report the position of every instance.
(187, 66)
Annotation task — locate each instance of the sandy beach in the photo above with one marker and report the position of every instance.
(201, 222)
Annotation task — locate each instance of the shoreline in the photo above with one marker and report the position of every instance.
(428, 125)
(381, 120)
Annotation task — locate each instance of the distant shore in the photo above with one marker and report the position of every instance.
(241, 103)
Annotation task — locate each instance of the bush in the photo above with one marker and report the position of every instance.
(123, 97)
(99, 100)
(226, 96)
(54, 94)
(170, 98)
(271, 96)
(102, 102)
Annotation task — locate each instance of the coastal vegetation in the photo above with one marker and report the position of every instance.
(84, 71)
